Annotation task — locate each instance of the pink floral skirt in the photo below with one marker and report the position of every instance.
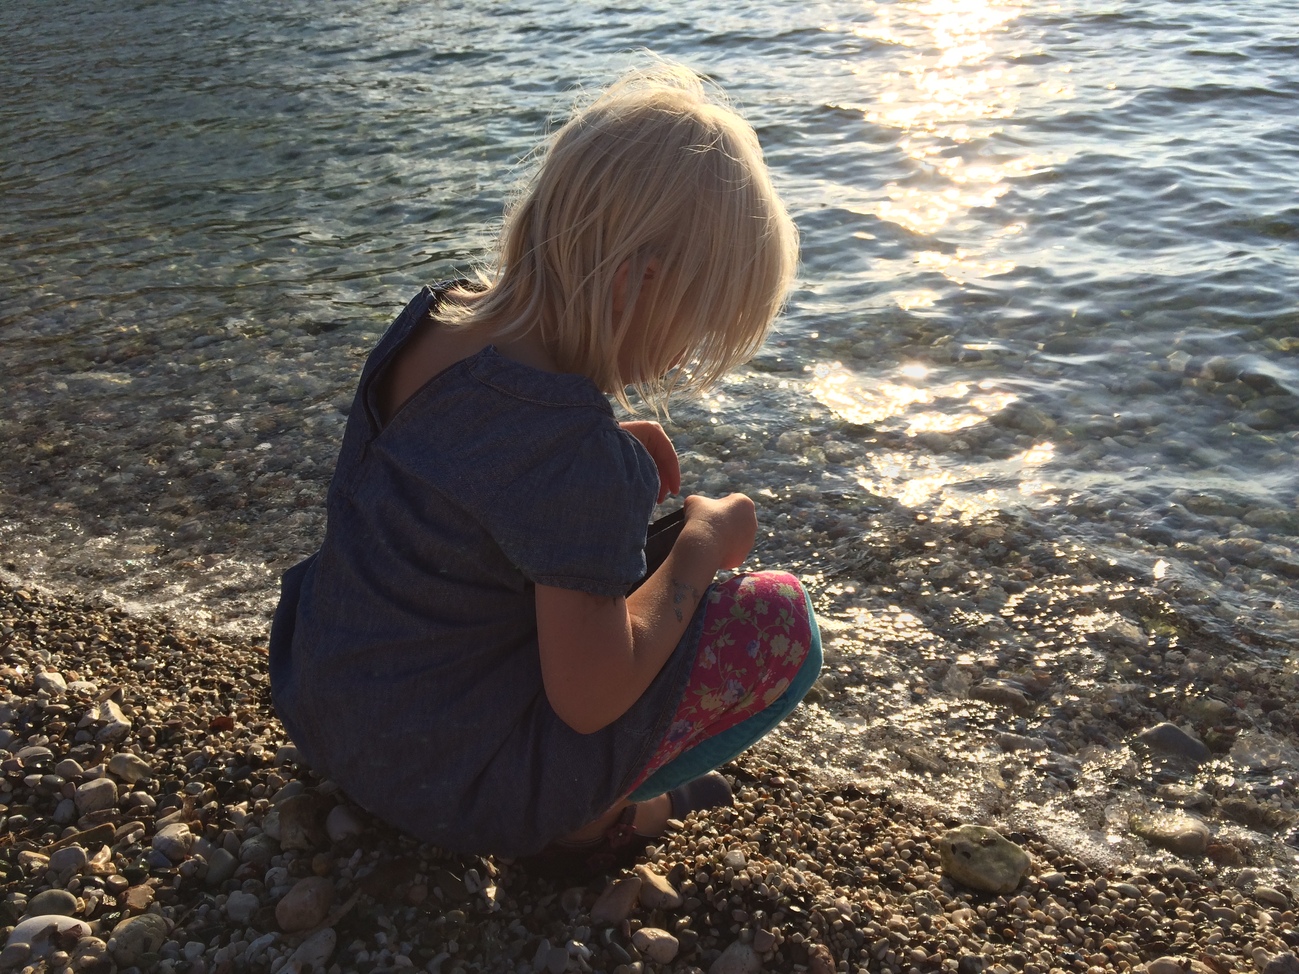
(757, 631)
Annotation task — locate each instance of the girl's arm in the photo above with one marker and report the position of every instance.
(599, 654)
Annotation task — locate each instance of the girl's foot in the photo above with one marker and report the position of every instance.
(618, 837)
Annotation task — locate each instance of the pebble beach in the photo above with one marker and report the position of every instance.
(155, 818)
(1027, 431)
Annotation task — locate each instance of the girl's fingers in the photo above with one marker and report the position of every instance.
(661, 451)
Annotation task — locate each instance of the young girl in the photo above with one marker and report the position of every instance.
(463, 656)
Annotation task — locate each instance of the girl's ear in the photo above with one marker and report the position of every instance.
(621, 277)
(620, 288)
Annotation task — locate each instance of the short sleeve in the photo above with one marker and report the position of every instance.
(577, 517)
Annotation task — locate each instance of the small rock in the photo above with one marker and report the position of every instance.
(1184, 796)
(135, 938)
(138, 898)
(69, 769)
(739, 958)
(1282, 964)
(313, 953)
(1053, 880)
(1176, 832)
(1002, 695)
(616, 902)
(221, 865)
(658, 945)
(1018, 742)
(1168, 738)
(52, 902)
(129, 767)
(95, 795)
(734, 859)
(258, 849)
(51, 682)
(174, 841)
(764, 941)
(302, 822)
(982, 858)
(656, 893)
(342, 823)
(65, 813)
(39, 936)
(116, 724)
(68, 861)
(90, 956)
(14, 956)
(241, 906)
(259, 946)
(1165, 965)
(33, 862)
(306, 905)
(821, 961)
(1272, 897)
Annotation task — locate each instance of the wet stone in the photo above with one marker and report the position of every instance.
(1168, 738)
(982, 858)
(1178, 833)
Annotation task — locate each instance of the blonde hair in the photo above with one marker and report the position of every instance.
(653, 170)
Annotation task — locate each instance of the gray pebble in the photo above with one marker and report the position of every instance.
(95, 795)
(221, 865)
(1168, 738)
(241, 906)
(129, 767)
(174, 841)
(738, 958)
(52, 902)
(69, 860)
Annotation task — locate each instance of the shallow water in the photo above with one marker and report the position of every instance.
(1048, 264)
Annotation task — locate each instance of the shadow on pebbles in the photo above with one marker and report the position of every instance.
(154, 819)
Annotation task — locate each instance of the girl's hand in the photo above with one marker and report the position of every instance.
(660, 448)
(728, 523)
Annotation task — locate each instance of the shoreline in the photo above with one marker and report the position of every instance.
(804, 875)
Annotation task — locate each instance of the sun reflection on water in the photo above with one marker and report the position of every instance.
(901, 402)
(946, 79)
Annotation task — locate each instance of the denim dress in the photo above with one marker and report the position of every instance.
(403, 657)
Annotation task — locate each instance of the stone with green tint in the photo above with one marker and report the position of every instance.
(982, 858)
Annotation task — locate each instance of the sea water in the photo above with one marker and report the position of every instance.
(1049, 257)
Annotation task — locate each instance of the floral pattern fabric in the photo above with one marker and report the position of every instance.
(755, 637)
